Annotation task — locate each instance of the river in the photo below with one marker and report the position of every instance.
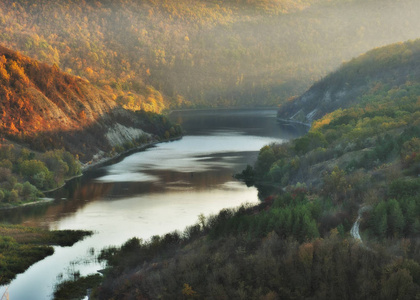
(155, 191)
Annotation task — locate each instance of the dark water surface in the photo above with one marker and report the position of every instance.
(159, 190)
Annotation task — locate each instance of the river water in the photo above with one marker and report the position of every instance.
(151, 192)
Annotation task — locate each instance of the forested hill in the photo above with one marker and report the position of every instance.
(46, 109)
(357, 165)
(155, 54)
(381, 68)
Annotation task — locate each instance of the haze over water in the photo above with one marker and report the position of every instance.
(151, 192)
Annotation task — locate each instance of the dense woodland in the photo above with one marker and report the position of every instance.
(156, 54)
(23, 174)
(297, 244)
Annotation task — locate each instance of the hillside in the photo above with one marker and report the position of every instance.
(355, 165)
(47, 109)
(370, 117)
(157, 54)
(52, 121)
(377, 69)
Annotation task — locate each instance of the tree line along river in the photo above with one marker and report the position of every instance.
(151, 192)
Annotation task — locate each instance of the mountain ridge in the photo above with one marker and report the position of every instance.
(390, 65)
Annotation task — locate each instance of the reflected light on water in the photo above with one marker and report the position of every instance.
(191, 154)
(149, 193)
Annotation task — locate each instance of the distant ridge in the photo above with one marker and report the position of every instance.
(391, 65)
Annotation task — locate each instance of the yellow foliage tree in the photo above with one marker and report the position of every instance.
(188, 291)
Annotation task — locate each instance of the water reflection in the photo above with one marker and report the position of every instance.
(218, 144)
(155, 191)
(261, 122)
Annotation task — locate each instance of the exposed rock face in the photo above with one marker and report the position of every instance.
(120, 134)
(46, 108)
(318, 101)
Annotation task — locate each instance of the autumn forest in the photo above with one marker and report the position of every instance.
(153, 55)
(85, 84)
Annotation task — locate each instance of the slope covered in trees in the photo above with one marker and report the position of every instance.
(377, 70)
(297, 243)
(156, 54)
(49, 109)
(50, 120)
(367, 152)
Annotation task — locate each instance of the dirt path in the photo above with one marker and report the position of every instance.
(354, 231)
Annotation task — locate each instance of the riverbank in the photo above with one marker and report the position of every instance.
(34, 243)
(100, 162)
(246, 108)
(288, 121)
(23, 246)
(151, 193)
(40, 201)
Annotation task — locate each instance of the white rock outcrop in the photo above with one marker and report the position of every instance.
(119, 134)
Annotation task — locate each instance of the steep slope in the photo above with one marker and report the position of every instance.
(36, 97)
(157, 53)
(46, 108)
(387, 66)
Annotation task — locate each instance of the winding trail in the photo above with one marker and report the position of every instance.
(354, 232)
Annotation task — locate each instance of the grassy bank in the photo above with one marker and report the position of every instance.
(22, 246)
